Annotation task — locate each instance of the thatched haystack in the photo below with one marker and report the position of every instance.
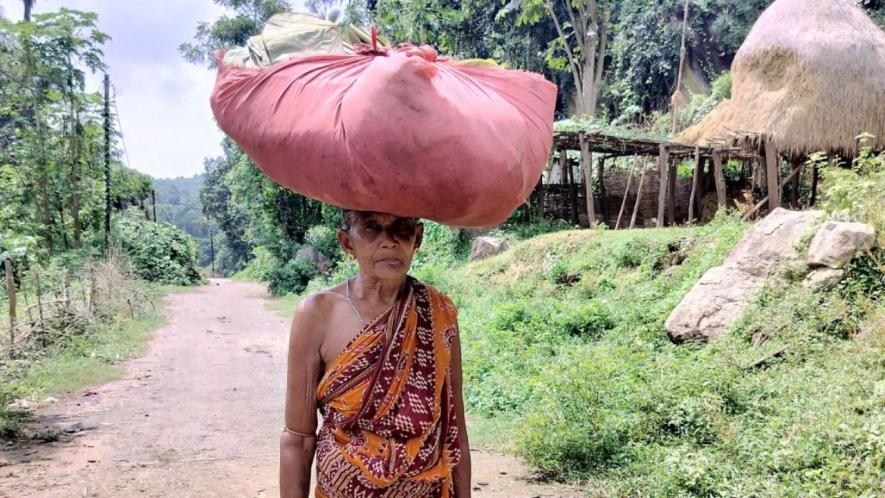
(810, 76)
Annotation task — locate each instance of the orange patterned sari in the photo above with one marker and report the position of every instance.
(389, 427)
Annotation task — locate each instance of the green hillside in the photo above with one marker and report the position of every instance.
(566, 355)
(178, 202)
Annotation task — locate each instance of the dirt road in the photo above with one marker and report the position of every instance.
(198, 416)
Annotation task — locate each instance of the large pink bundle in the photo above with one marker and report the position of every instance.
(400, 132)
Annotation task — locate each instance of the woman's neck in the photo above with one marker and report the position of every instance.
(376, 291)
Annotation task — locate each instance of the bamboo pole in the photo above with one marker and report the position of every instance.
(638, 195)
(626, 194)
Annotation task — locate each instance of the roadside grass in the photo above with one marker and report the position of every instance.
(284, 306)
(87, 359)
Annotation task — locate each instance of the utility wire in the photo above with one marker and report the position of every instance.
(120, 126)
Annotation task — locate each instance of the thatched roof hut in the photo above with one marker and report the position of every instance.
(810, 76)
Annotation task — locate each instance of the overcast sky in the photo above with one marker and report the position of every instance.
(163, 101)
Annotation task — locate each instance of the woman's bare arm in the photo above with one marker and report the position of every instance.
(461, 474)
(297, 451)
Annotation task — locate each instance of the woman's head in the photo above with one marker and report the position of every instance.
(383, 244)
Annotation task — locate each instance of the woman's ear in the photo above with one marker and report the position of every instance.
(419, 235)
(344, 241)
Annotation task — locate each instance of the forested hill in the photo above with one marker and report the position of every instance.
(178, 202)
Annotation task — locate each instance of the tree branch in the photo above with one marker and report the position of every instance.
(576, 69)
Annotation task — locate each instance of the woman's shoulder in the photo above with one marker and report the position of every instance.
(321, 300)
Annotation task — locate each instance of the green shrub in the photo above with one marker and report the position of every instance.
(325, 240)
(290, 276)
(158, 252)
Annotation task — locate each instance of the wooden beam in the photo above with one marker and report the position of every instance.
(664, 170)
(695, 184)
(587, 162)
(719, 178)
(643, 167)
(772, 167)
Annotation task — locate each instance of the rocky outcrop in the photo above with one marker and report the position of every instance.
(838, 242)
(718, 298)
(823, 278)
(320, 261)
(484, 247)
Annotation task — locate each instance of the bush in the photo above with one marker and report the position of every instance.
(158, 252)
(290, 276)
(325, 240)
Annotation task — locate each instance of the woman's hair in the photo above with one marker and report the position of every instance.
(348, 219)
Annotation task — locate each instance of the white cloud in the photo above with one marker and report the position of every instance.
(163, 101)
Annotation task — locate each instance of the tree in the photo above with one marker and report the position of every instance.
(230, 31)
(582, 27)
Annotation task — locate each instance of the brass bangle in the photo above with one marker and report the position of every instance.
(297, 433)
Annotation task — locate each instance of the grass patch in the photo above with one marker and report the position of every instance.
(284, 306)
(91, 358)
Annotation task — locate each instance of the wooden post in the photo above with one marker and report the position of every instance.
(695, 184)
(719, 176)
(154, 203)
(796, 171)
(587, 163)
(573, 190)
(814, 174)
(600, 173)
(10, 289)
(664, 170)
(771, 175)
(671, 191)
(761, 203)
(40, 307)
(638, 194)
(626, 194)
(107, 166)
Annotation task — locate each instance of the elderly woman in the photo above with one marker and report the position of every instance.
(379, 355)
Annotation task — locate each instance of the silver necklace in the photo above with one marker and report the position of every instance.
(352, 305)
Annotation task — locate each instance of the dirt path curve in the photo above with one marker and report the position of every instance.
(198, 416)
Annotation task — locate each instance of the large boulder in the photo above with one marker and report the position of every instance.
(320, 261)
(484, 247)
(719, 297)
(838, 242)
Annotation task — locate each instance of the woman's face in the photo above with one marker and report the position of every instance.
(383, 244)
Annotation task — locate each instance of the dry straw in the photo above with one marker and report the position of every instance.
(810, 76)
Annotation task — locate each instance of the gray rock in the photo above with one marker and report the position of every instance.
(838, 242)
(823, 278)
(484, 247)
(721, 294)
(320, 261)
